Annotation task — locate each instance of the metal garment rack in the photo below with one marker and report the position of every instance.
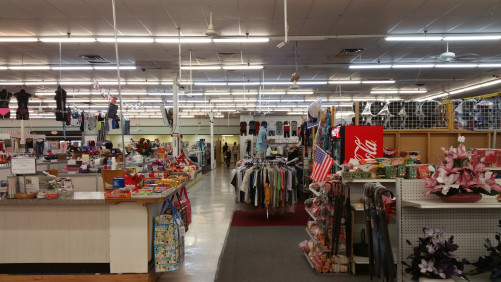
(261, 161)
(469, 223)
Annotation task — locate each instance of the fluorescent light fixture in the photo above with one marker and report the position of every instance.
(312, 82)
(201, 68)
(274, 93)
(211, 83)
(243, 83)
(270, 101)
(183, 116)
(126, 39)
(244, 100)
(378, 81)
(340, 99)
(192, 94)
(115, 67)
(224, 101)
(11, 83)
(40, 83)
(67, 39)
(29, 68)
(183, 40)
(433, 97)
(489, 65)
(111, 82)
(227, 135)
(72, 68)
(470, 38)
(18, 39)
(131, 94)
(227, 110)
(296, 113)
(413, 38)
(413, 66)
(217, 93)
(219, 116)
(143, 82)
(345, 81)
(243, 67)
(482, 85)
(78, 100)
(276, 83)
(3, 68)
(456, 65)
(242, 40)
(384, 92)
(244, 93)
(412, 91)
(374, 66)
(300, 92)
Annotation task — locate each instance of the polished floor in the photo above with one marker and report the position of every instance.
(212, 201)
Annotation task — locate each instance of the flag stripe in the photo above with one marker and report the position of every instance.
(322, 165)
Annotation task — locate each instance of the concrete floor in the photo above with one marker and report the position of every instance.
(212, 201)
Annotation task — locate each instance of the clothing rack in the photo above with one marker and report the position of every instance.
(265, 183)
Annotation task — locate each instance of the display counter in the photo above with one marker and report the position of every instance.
(84, 234)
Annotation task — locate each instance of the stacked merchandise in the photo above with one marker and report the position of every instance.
(329, 231)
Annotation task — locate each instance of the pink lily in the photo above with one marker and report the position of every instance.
(449, 166)
(462, 153)
(466, 181)
(447, 182)
(487, 182)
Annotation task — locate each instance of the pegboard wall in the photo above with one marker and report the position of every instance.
(468, 226)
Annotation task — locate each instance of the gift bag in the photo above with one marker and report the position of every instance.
(185, 201)
(168, 240)
(181, 210)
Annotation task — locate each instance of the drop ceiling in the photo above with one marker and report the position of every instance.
(320, 29)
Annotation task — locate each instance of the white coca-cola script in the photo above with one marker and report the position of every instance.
(365, 151)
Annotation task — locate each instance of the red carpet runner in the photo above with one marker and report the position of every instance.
(258, 217)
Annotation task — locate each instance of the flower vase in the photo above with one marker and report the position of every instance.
(424, 279)
(462, 198)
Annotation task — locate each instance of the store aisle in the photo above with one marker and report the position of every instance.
(212, 200)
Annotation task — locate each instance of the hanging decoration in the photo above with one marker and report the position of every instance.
(104, 93)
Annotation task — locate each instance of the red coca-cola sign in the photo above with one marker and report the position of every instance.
(363, 142)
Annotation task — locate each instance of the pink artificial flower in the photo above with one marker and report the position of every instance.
(447, 182)
(462, 153)
(449, 166)
(466, 181)
(487, 182)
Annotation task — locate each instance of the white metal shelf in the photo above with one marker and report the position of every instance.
(311, 215)
(438, 204)
(316, 242)
(316, 193)
(357, 207)
(309, 260)
(365, 260)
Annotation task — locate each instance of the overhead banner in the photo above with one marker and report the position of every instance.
(363, 142)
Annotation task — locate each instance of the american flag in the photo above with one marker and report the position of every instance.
(322, 164)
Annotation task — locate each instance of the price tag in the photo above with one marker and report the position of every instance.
(23, 166)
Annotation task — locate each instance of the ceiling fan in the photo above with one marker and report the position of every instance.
(211, 32)
(449, 56)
